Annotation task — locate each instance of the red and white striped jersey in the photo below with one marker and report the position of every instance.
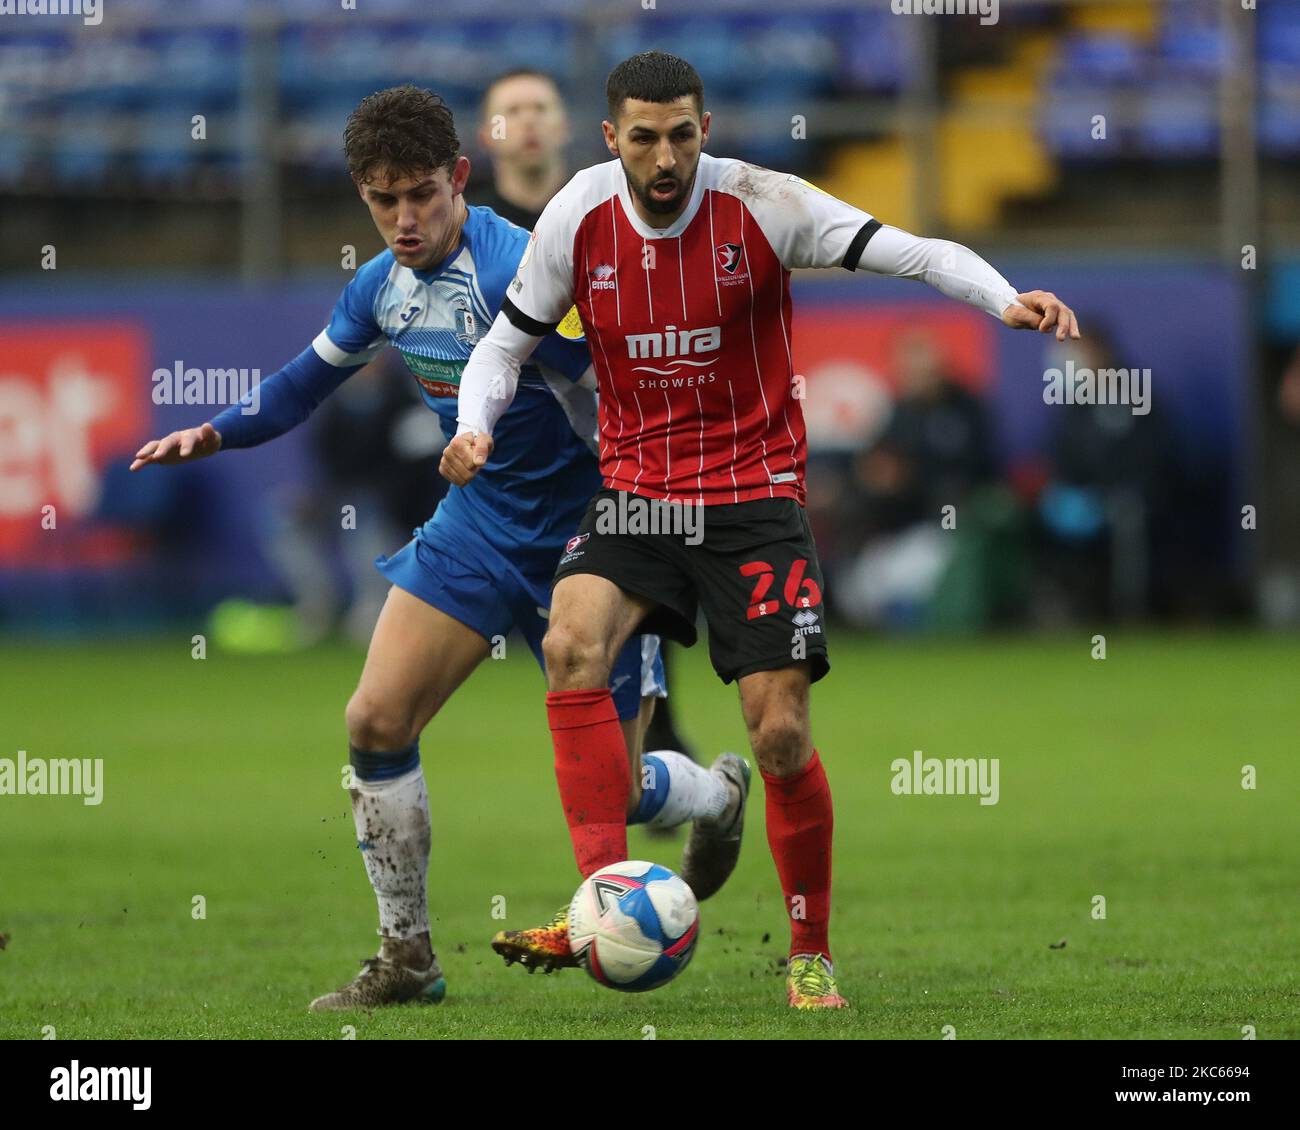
(689, 326)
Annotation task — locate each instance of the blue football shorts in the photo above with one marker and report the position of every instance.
(456, 570)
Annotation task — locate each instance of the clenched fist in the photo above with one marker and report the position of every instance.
(462, 458)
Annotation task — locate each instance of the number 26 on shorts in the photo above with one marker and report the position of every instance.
(799, 591)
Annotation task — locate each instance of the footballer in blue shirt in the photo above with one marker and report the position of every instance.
(483, 563)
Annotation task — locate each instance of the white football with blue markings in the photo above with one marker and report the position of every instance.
(634, 925)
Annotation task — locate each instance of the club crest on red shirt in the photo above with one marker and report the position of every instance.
(728, 256)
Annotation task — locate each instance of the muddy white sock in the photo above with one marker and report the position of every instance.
(393, 833)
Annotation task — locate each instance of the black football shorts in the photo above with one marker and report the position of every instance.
(751, 566)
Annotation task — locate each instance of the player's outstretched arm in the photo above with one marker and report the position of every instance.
(279, 403)
(959, 273)
(487, 388)
(179, 447)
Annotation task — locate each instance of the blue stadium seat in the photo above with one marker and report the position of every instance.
(548, 45)
(715, 47)
(1192, 50)
(167, 151)
(877, 53)
(84, 152)
(322, 130)
(16, 150)
(1178, 119)
(1279, 33)
(1102, 58)
(1279, 115)
(193, 67)
(1065, 124)
(799, 56)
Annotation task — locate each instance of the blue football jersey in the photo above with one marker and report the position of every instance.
(531, 494)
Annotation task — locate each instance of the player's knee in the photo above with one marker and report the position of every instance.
(376, 726)
(781, 743)
(574, 660)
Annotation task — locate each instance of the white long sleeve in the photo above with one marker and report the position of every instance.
(950, 268)
(491, 376)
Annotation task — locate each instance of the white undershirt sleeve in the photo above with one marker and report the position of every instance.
(491, 377)
(950, 268)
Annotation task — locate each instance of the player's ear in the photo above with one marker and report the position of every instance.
(611, 137)
(705, 119)
(361, 188)
(460, 175)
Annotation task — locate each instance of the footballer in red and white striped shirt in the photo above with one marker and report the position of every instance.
(679, 266)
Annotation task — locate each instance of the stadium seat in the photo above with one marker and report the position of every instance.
(16, 150)
(1065, 124)
(1279, 34)
(1102, 59)
(1279, 114)
(1177, 119)
(84, 149)
(877, 54)
(1192, 50)
(167, 151)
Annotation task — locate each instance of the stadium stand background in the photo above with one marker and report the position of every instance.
(229, 248)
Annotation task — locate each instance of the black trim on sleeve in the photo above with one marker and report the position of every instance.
(859, 244)
(522, 321)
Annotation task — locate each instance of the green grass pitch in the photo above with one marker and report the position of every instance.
(1119, 777)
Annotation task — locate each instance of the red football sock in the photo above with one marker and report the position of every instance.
(591, 767)
(799, 825)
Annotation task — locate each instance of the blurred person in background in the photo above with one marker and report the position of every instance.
(1112, 484)
(524, 129)
(1279, 594)
(938, 444)
(936, 451)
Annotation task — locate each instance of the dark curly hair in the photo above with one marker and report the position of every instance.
(652, 76)
(402, 131)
